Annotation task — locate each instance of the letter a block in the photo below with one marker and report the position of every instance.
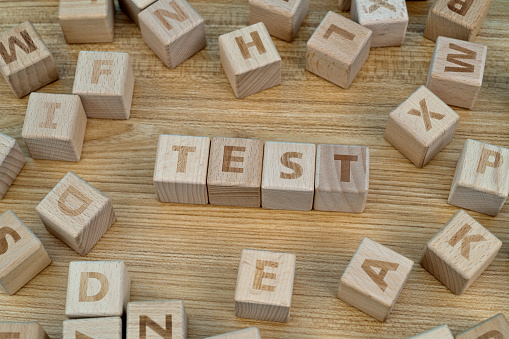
(76, 213)
(22, 330)
(374, 279)
(440, 332)
(460, 252)
(96, 328)
(132, 8)
(247, 333)
(496, 327)
(157, 319)
(11, 162)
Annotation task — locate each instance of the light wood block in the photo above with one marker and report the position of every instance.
(22, 255)
(87, 21)
(344, 5)
(496, 327)
(76, 213)
(421, 126)
(134, 7)
(22, 330)
(95, 328)
(374, 279)
(26, 63)
(157, 319)
(460, 252)
(173, 30)
(250, 60)
(235, 172)
(481, 180)
(105, 83)
(97, 289)
(288, 176)
(440, 332)
(11, 162)
(246, 333)
(342, 178)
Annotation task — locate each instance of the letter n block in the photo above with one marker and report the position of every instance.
(157, 319)
(22, 330)
(11, 162)
(76, 213)
(496, 327)
(97, 328)
(246, 333)
(440, 332)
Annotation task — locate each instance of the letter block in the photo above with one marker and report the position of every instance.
(250, 60)
(496, 327)
(481, 180)
(456, 71)
(180, 174)
(97, 289)
(22, 255)
(11, 162)
(235, 172)
(26, 63)
(22, 330)
(460, 252)
(76, 213)
(288, 176)
(96, 328)
(342, 178)
(421, 126)
(337, 49)
(173, 30)
(132, 8)
(105, 83)
(246, 333)
(265, 285)
(374, 279)
(440, 332)
(157, 319)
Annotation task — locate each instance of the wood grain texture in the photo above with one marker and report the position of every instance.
(440, 332)
(96, 328)
(23, 330)
(494, 327)
(157, 319)
(247, 333)
(12, 161)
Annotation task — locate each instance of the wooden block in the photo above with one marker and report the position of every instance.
(134, 7)
(26, 63)
(22, 255)
(344, 5)
(440, 332)
(96, 328)
(76, 213)
(460, 252)
(342, 178)
(288, 176)
(246, 333)
(157, 319)
(105, 83)
(97, 289)
(265, 285)
(421, 126)
(87, 21)
(374, 279)
(11, 162)
(496, 327)
(481, 180)
(235, 172)
(22, 330)
(456, 71)
(250, 60)
(173, 30)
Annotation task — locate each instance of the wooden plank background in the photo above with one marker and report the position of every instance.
(192, 252)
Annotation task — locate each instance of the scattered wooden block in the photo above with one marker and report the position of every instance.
(157, 319)
(337, 49)
(460, 252)
(26, 63)
(481, 180)
(496, 327)
(76, 213)
(374, 279)
(246, 333)
(342, 178)
(105, 83)
(22, 330)
(96, 328)
(250, 60)
(440, 332)
(11, 162)
(421, 126)
(344, 5)
(132, 8)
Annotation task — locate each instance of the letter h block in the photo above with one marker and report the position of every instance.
(11, 162)
(22, 330)
(496, 327)
(157, 319)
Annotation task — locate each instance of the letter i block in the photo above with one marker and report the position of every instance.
(22, 330)
(132, 8)
(76, 213)
(157, 319)
(247, 333)
(496, 327)
(374, 279)
(11, 162)
(440, 332)
(97, 328)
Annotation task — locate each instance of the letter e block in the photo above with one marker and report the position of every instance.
(11, 162)
(22, 330)
(132, 8)
(440, 332)
(247, 333)
(496, 327)
(157, 319)
(96, 328)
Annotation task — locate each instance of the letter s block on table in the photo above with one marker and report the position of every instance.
(440, 332)
(96, 328)
(22, 330)
(11, 162)
(496, 327)
(157, 319)
(246, 333)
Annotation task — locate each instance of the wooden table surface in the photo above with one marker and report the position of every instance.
(192, 252)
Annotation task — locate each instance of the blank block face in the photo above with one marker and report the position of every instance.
(132, 8)
(105, 83)
(247, 333)
(11, 162)
(440, 332)
(22, 330)
(496, 327)
(460, 252)
(76, 213)
(421, 126)
(337, 49)
(250, 60)
(97, 328)
(157, 319)
(265, 285)
(374, 279)
(481, 180)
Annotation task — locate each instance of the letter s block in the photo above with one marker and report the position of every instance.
(76, 213)
(11, 162)
(157, 319)
(22, 330)
(496, 327)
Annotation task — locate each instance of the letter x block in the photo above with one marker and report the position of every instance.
(11, 162)
(76, 213)
(247, 333)
(440, 332)
(157, 319)
(132, 8)
(96, 328)
(496, 327)
(460, 252)
(22, 330)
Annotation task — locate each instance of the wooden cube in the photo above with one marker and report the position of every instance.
(87, 21)
(22, 330)
(235, 172)
(288, 176)
(250, 60)
(342, 178)
(374, 279)
(421, 126)
(173, 30)
(97, 289)
(481, 180)
(456, 71)
(496, 327)
(180, 173)
(22, 255)
(337, 49)
(96, 328)
(11, 162)
(26, 63)
(460, 252)
(105, 83)
(157, 319)
(76, 213)
(440, 332)
(134, 7)
(246, 333)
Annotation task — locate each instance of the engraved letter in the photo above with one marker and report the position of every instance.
(80, 335)
(4, 231)
(493, 334)
(462, 235)
(345, 165)
(244, 48)
(260, 274)
(228, 158)
(453, 58)
(28, 48)
(460, 6)
(297, 169)
(426, 115)
(72, 212)
(180, 15)
(48, 123)
(145, 322)
(381, 3)
(182, 159)
(485, 157)
(97, 70)
(9, 335)
(83, 293)
(384, 266)
(338, 30)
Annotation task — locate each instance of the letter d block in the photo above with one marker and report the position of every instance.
(157, 319)
(496, 327)
(22, 330)
(76, 213)
(11, 162)
(96, 328)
